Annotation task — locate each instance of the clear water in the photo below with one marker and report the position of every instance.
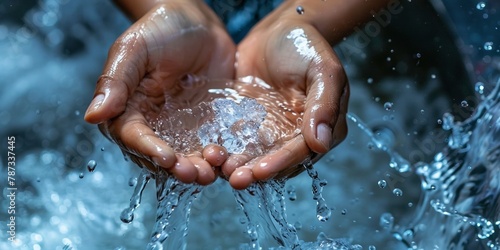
(51, 56)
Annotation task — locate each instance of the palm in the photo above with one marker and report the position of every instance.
(145, 67)
(301, 66)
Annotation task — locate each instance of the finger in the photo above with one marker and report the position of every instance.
(289, 156)
(206, 174)
(215, 155)
(241, 178)
(123, 70)
(233, 162)
(184, 170)
(132, 133)
(327, 82)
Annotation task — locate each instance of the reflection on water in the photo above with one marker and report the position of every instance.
(65, 200)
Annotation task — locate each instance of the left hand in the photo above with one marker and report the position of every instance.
(295, 59)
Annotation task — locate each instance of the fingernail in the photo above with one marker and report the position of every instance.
(324, 135)
(96, 103)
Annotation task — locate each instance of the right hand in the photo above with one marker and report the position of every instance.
(174, 39)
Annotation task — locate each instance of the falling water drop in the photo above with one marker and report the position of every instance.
(91, 166)
(388, 106)
(292, 194)
(132, 181)
(480, 5)
(300, 10)
(397, 192)
(382, 183)
(386, 221)
(479, 87)
(127, 215)
(488, 46)
(81, 175)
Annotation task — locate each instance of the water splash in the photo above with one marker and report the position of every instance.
(462, 184)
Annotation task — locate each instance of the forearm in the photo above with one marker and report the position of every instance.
(335, 19)
(135, 9)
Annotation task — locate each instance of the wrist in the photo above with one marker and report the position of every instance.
(334, 19)
(135, 9)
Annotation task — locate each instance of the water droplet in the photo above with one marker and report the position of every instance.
(81, 175)
(479, 87)
(418, 55)
(300, 10)
(464, 104)
(77, 112)
(382, 183)
(439, 121)
(91, 165)
(102, 149)
(369, 80)
(397, 192)
(292, 195)
(388, 59)
(481, 5)
(344, 211)
(488, 46)
(370, 146)
(372, 248)
(433, 76)
(127, 215)
(297, 225)
(132, 181)
(388, 106)
(386, 221)
(422, 111)
(410, 204)
(38, 179)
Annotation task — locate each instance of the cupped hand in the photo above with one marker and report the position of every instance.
(295, 59)
(148, 63)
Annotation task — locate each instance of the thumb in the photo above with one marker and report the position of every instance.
(123, 70)
(324, 122)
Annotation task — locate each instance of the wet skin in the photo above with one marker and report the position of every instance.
(173, 40)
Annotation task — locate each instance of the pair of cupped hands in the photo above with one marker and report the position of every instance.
(179, 38)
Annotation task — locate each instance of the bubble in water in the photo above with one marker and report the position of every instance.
(464, 104)
(488, 46)
(480, 5)
(300, 10)
(397, 192)
(382, 183)
(91, 166)
(388, 106)
(386, 221)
